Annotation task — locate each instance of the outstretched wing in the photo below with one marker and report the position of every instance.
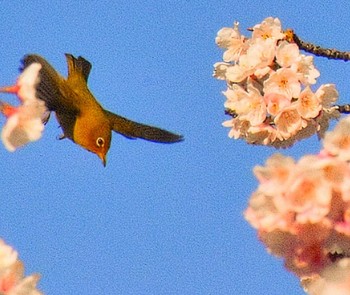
(53, 91)
(48, 87)
(78, 67)
(131, 129)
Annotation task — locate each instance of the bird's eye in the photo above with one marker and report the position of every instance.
(100, 142)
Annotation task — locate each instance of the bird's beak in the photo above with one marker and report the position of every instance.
(103, 159)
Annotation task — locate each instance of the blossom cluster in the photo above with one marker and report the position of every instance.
(12, 280)
(301, 209)
(24, 122)
(269, 93)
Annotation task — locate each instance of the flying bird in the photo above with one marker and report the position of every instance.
(81, 117)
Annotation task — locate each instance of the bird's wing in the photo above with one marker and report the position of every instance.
(131, 129)
(48, 87)
(52, 89)
(78, 67)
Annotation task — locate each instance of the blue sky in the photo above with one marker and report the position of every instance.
(159, 219)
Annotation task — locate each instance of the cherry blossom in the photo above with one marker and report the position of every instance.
(26, 82)
(285, 82)
(308, 104)
(288, 122)
(268, 28)
(25, 122)
(12, 280)
(305, 69)
(7, 255)
(337, 143)
(24, 125)
(301, 209)
(287, 54)
(276, 103)
(290, 110)
(232, 40)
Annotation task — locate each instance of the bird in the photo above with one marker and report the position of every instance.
(81, 117)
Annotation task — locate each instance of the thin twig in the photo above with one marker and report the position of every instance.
(231, 113)
(344, 109)
(330, 53)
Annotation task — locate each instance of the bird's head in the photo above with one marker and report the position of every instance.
(95, 138)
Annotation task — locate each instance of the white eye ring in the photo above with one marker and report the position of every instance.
(100, 142)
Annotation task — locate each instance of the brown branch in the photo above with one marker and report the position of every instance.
(231, 113)
(330, 53)
(344, 109)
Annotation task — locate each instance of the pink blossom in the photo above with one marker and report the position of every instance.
(7, 255)
(344, 188)
(289, 110)
(289, 122)
(343, 227)
(24, 125)
(263, 214)
(237, 127)
(276, 103)
(248, 105)
(25, 122)
(261, 53)
(237, 99)
(309, 194)
(264, 211)
(337, 142)
(255, 111)
(260, 73)
(12, 280)
(275, 173)
(300, 210)
(308, 104)
(232, 40)
(220, 69)
(26, 82)
(306, 71)
(268, 28)
(242, 70)
(262, 134)
(285, 82)
(258, 58)
(287, 54)
(328, 95)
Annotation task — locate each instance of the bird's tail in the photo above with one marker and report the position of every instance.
(48, 87)
(131, 129)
